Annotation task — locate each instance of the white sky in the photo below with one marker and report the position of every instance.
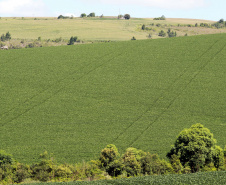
(200, 9)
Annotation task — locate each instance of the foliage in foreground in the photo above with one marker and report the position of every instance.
(194, 150)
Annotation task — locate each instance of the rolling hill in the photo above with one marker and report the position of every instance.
(74, 100)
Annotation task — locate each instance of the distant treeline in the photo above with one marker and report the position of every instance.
(194, 150)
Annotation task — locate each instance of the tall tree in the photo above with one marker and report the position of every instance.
(197, 148)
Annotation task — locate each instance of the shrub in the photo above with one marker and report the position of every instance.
(57, 40)
(5, 37)
(158, 25)
(64, 172)
(218, 157)
(131, 160)
(153, 165)
(5, 158)
(143, 27)
(176, 164)
(72, 40)
(21, 173)
(171, 33)
(44, 170)
(88, 171)
(162, 33)
(149, 36)
(30, 45)
(8, 36)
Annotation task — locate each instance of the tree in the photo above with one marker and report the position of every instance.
(162, 17)
(83, 15)
(120, 16)
(92, 14)
(109, 160)
(127, 16)
(197, 148)
(72, 40)
(60, 17)
(221, 21)
(131, 160)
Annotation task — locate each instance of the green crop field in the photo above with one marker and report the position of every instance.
(74, 100)
(207, 178)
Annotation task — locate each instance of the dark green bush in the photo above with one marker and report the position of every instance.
(5, 158)
(162, 33)
(127, 16)
(21, 173)
(83, 15)
(44, 170)
(160, 18)
(72, 40)
(143, 27)
(30, 45)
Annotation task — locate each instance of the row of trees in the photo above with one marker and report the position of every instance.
(126, 16)
(92, 14)
(64, 17)
(194, 150)
(160, 18)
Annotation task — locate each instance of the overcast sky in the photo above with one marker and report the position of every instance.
(197, 9)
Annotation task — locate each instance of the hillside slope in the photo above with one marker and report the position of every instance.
(72, 101)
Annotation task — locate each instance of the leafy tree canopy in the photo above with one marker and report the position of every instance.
(197, 148)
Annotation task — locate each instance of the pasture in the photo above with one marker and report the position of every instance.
(96, 29)
(74, 100)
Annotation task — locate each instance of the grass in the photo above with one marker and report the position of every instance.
(208, 178)
(95, 29)
(74, 100)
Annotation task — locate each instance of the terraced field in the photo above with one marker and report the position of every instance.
(74, 100)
